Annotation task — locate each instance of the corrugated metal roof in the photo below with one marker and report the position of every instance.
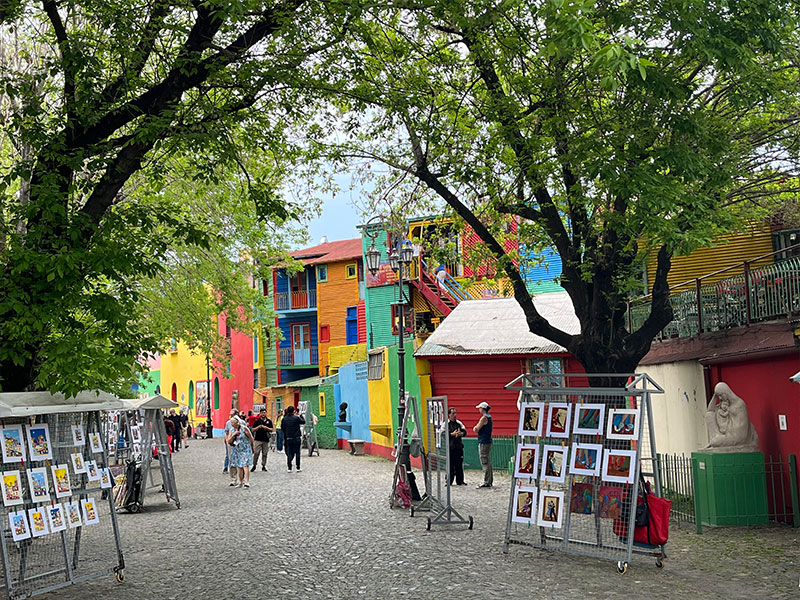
(329, 252)
(498, 326)
(308, 382)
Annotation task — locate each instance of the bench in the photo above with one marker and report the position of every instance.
(356, 447)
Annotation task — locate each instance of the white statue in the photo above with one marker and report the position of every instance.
(729, 426)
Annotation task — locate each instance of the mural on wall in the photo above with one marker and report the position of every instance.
(384, 276)
(201, 402)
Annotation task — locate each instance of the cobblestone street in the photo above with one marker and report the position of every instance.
(328, 532)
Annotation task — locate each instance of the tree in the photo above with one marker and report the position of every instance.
(97, 93)
(610, 129)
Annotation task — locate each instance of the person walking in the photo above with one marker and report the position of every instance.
(456, 431)
(176, 436)
(226, 431)
(484, 430)
(240, 441)
(262, 428)
(279, 431)
(292, 434)
(185, 433)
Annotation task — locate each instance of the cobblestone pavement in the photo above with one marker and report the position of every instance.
(328, 532)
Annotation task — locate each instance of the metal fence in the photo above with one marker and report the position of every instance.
(503, 449)
(677, 485)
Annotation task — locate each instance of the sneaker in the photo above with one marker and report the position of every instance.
(224, 470)
(299, 469)
(247, 485)
(289, 469)
(233, 484)
(263, 468)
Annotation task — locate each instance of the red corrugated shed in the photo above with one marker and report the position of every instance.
(361, 318)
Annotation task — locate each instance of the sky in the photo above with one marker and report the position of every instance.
(339, 216)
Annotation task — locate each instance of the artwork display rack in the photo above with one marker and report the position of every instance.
(578, 464)
(401, 457)
(310, 428)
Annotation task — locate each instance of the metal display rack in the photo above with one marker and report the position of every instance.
(587, 514)
(309, 439)
(69, 553)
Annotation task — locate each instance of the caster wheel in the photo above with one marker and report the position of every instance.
(120, 576)
(429, 524)
(659, 563)
(470, 523)
(412, 511)
(622, 567)
(177, 505)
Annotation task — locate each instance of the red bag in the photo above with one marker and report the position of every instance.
(656, 532)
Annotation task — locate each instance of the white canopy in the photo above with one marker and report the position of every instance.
(24, 404)
(157, 401)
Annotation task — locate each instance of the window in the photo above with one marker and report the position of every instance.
(322, 412)
(408, 322)
(255, 350)
(255, 379)
(545, 370)
(322, 273)
(227, 331)
(375, 365)
(351, 271)
(784, 239)
(324, 333)
(278, 404)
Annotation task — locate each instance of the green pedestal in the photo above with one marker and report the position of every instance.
(731, 488)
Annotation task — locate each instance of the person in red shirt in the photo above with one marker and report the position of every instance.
(251, 418)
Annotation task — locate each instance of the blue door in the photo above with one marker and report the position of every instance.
(352, 325)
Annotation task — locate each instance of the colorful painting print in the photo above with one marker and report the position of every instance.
(619, 466)
(78, 437)
(623, 424)
(12, 488)
(92, 472)
(581, 499)
(136, 434)
(201, 399)
(18, 521)
(55, 518)
(95, 443)
(530, 418)
(550, 508)
(90, 516)
(558, 419)
(37, 483)
(585, 459)
(554, 462)
(525, 505)
(73, 512)
(105, 478)
(527, 461)
(38, 521)
(13, 444)
(78, 466)
(609, 499)
(589, 419)
(61, 481)
(39, 442)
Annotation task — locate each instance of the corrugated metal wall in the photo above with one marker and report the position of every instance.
(340, 355)
(362, 322)
(379, 314)
(333, 298)
(538, 272)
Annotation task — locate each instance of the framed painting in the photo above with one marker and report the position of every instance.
(201, 399)
(525, 505)
(105, 478)
(38, 521)
(73, 513)
(95, 443)
(619, 466)
(526, 464)
(558, 419)
(585, 459)
(581, 498)
(623, 424)
(609, 502)
(12, 488)
(554, 464)
(61, 480)
(13, 444)
(78, 436)
(90, 516)
(18, 521)
(39, 442)
(589, 419)
(55, 517)
(530, 418)
(38, 485)
(551, 508)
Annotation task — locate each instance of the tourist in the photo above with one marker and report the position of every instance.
(279, 431)
(176, 436)
(262, 428)
(240, 441)
(185, 427)
(251, 418)
(456, 431)
(169, 426)
(484, 430)
(226, 431)
(292, 434)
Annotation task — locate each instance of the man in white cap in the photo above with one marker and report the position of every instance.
(484, 430)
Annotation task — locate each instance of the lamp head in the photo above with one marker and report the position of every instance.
(373, 258)
(394, 261)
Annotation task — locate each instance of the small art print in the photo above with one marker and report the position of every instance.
(90, 516)
(586, 459)
(623, 423)
(527, 462)
(105, 478)
(13, 444)
(61, 481)
(558, 419)
(554, 461)
(609, 498)
(95, 443)
(37, 482)
(38, 521)
(589, 419)
(550, 508)
(39, 441)
(78, 437)
(525, 505)
(12, 488)
(530, 418)
(78, 466)
(581, 499)
(92, 471)
(18, 521)
(619, 466)
(73, 512)
(55, 518)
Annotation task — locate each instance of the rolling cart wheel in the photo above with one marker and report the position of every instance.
(429, 524)
(120, 576)
(659, 563)
(470, 522)
(177, 505)
(622, 567)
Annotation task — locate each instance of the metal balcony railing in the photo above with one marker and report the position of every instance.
(714, 302)
(289, 357)
(294, 300)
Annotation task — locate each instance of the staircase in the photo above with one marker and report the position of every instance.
(444, 297)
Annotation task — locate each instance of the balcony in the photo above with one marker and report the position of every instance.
(304, 300)
(733, 297)
(304, 357)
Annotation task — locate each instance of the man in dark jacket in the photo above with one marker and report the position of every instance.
(292, 436)
(176, 436)
(456, 431)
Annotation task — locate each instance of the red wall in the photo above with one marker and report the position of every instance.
(241, 376)
(765, 387)
(468, 380)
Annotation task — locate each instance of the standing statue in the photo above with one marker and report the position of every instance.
(729, 426)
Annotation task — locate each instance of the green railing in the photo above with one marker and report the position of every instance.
(712, 303)
(503, 449)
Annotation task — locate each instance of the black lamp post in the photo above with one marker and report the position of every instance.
(209, 422)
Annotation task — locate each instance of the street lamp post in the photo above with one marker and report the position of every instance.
(209, 422)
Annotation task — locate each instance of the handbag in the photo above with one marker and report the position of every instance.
(655, 530)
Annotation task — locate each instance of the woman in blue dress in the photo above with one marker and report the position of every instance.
(240, 441)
